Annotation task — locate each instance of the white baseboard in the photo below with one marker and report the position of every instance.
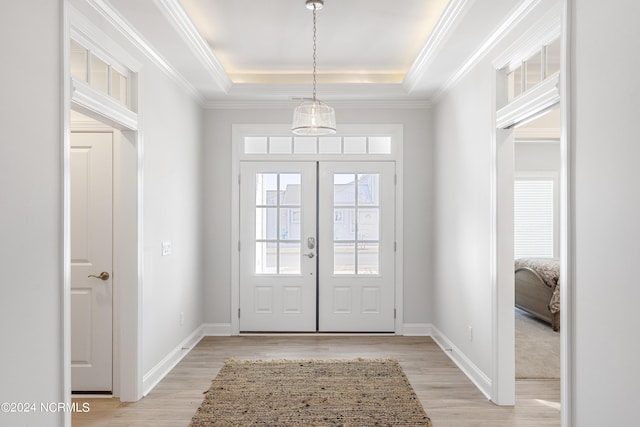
(465, 364)
(158, 372)
(417, 329)
(216, 329)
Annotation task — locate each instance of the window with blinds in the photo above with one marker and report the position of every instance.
(533, 218)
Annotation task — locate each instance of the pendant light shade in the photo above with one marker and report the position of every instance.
(313, 117)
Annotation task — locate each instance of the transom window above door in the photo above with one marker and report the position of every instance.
(317, 145)
(99, 72)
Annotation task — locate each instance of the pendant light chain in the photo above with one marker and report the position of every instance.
(314, 51)
(312, 117)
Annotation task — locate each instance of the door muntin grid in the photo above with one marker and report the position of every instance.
(278, 223)
(356, 224)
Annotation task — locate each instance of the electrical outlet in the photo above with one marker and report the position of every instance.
(166, 248)
(470, 333)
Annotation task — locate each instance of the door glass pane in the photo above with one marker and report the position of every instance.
(368, 189)
(344, 189)
(99, 74)
(514, 83)
(344, 258)
(266, 223)
(344, 226)
(78, 61)
(368, 224)
(289, 224)
(290, 189)
(330, 145)
(280, 145)
(379, 145)
(356, 228)
(255, 145)
(266, 189)
(266, 262)
(368, 258)
(355, 145)
(278, 223)
(553, 57)
(290, 258)
(118, 86)
(534, 70)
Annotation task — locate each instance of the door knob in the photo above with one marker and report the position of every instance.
(309, 255)
(103, 276)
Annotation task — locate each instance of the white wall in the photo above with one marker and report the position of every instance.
(417, 196)
(173, 189)
(31, 215)
(171, 122)
(605, 110)
(463, 128)
(462, 150)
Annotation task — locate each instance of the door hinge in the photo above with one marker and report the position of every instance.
(239, 179)
(238, 313)
(395, 179)
(394, 313)
(238, 245)
(395, 246)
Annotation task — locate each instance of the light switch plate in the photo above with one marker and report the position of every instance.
(166, 248)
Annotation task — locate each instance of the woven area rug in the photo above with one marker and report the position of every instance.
(361, 392)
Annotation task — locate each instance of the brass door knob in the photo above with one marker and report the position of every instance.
(103, 276)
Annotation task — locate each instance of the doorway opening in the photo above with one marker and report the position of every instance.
(92, 282)
(537, 164)
(317, 246)
(116, 226)
(298, 246)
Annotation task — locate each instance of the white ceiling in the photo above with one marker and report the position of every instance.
(357, 40)
(241, 50)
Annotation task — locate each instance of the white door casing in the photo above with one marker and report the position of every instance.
(277, 219)
(356, 241)
(91, 254)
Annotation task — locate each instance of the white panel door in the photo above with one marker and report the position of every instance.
(91, 255)
(356, 247)
(277, 246)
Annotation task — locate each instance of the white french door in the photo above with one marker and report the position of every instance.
(277, 264)
(317, 246)
(356, 235)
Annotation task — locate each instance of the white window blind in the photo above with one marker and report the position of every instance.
(533, 218)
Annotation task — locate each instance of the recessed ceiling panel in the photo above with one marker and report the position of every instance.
(357, 40)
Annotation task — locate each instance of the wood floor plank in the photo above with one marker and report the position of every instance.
(447, 395)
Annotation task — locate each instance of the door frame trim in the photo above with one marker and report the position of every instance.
(128, 219)
(240, 131)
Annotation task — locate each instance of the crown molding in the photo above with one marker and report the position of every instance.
(106, 10)
(174, 12)
(450, 19)
(283, 104)
(505, 27)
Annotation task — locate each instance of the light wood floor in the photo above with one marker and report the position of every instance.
(448, 397)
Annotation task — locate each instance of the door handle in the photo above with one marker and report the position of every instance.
(309, 255)
(103, 276)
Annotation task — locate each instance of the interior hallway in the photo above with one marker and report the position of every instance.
(447, 395)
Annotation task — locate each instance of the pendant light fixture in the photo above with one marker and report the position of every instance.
(313, 117)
